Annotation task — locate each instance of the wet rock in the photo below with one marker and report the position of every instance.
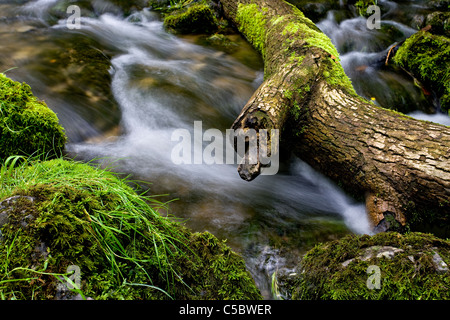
(417, 22)
(25, 28)
(3, 218)
(439, 264)
(9, 205)
(439, 22)
(316, 11)
(425, 56)
(78, 69)
(198, 18)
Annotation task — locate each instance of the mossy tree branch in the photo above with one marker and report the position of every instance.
(398, 164)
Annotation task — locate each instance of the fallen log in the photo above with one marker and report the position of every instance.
(400, 166)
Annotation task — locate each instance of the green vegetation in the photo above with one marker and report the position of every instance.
(427, 57)
(27, 125)
(252, 23)
(165, 6)
(69, 213)
(412, 266)
(439, 22)
(197, 18)
(362, 6)
(304, 29)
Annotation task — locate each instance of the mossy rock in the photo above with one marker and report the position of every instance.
(439, 22)
(55, 214)
(198, 18)
(27, 125)
(427, 57)
(386, 266)
(363, 5)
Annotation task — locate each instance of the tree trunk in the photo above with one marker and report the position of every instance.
(399, 165)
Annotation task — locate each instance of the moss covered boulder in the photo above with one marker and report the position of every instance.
(384, 266)
(427, 57)
(198, 18)
(27, 125)
(439, 22)
(58, 217)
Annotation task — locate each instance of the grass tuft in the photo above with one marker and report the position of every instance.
(71, 213)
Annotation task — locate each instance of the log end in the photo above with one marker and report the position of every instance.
(249, 172)
(384, 215)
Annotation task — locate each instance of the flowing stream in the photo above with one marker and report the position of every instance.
(121, 85)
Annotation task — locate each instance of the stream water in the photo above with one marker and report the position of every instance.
(121, 85)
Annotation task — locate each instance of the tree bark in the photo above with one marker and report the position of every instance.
(399, 165)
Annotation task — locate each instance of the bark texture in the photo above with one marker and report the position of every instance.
(399, 165)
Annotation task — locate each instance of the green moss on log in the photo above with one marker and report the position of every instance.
(252, 24)
(27, 125)
(411, 266)
(58, 213)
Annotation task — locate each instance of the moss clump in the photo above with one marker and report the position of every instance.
(67, 213)
(412, 266)
(27, 125)
(198, 18)
(427, 56)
